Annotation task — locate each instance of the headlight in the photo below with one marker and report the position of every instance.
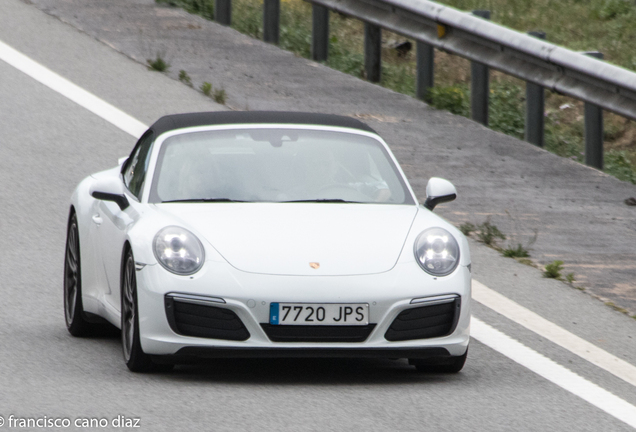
(178, 250)
(437, 251)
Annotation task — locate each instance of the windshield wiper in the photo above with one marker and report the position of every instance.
(198, 200)
(325, 200)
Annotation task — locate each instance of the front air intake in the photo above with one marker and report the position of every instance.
(203, 320)
(425, 322)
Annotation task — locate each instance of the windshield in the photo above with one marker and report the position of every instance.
(276, 165)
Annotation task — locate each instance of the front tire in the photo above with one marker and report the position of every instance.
(134, 356)
(444, 365)
(73, 307)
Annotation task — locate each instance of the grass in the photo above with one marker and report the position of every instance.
(581, 25)
(158, 64)
(185, 78)
(516, 252)
(219, 96)
(619, 164)
(206, 88)
(489, 234)
(467, 228)
(205, 8)
(526, 261)
(618, 308)
(553, 270)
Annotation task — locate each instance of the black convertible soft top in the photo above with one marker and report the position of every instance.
(179, 121)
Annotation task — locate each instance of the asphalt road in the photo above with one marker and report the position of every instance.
(48, 144)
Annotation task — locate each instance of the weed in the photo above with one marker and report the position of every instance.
(618, 165)
(616, 308)
(526, 261)
(158, 64)
(453, 98)
(205, 8)
(219, 96)
(185, 78)
(613, 128)
(564, 136)
(553, 270)
(489, 233)
(570, 278)
(516, 252)
(344, 61)
(506, 105)
(295, 28)
(506, 112)
(516, 248)
(206, 88)
(248, 17)
(467, 228)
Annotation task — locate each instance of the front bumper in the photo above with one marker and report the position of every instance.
(248, 296)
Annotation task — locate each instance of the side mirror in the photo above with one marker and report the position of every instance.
(110, 189)
(439, 191)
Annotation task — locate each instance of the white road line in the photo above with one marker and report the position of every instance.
(559, 375)
(498, 341)
(554, 333)
(77, 94)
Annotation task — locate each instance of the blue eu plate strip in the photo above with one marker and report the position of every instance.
(273, 313)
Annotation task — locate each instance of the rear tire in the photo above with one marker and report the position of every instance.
(73, 307)
(442, 365)
(134, 356)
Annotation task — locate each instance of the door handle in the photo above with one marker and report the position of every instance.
(97, 219)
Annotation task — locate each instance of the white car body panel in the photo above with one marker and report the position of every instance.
(258, 253)
(237, 288)
(282, 239)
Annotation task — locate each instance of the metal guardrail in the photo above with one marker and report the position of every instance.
(487, 45)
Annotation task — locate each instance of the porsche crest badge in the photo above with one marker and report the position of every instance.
(314, 265)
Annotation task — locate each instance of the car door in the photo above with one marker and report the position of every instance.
(115, 222)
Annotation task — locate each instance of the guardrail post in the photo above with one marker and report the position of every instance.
(594, 129)
(271, 21)
(425, 70)
(535, 108)
(223, 12)
(373, 52)
(479, 84)
(319, 32)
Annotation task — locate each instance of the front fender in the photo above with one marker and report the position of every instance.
(141, 235)
(427, 219)
(84, 207)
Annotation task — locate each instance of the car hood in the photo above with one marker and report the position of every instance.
(286, 238)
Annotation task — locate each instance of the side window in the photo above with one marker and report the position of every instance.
(134, 172)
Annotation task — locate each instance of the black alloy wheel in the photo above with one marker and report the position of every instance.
(134, 356)
(73, 308)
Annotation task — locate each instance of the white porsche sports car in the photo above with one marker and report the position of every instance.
(266, 234)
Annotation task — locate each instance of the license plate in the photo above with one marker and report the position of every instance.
(325, 314)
